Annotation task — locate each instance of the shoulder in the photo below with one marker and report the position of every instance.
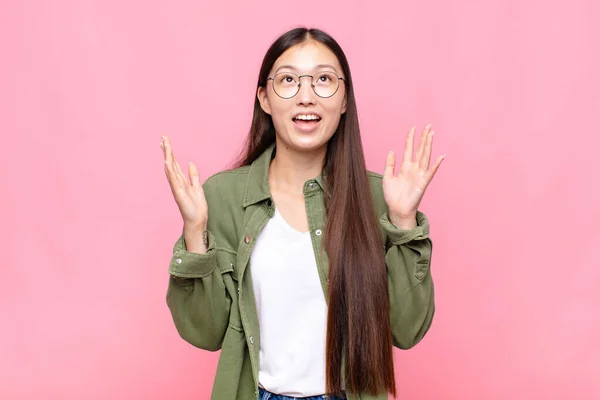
(374, 176)
(224, 193)
(376, 183)
(231, 181)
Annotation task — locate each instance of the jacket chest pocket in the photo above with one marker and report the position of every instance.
(226, 260)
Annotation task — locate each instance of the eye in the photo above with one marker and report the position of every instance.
(325, 79)
(287, 79)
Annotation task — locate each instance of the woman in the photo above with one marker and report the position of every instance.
(301, 266)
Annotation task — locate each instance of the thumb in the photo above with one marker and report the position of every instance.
(194, 176)
(390, 164)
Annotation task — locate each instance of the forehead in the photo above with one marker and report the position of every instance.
(306, 56)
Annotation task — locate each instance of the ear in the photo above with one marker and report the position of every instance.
(261, 95)
(344, 103)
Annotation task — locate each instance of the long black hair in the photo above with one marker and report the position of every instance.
(358, 319)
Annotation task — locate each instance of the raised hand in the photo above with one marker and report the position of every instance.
(188, 193)
(403, 192)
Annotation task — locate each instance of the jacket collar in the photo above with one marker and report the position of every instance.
(257, 183)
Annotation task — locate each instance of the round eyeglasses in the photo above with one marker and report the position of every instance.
(325, 84)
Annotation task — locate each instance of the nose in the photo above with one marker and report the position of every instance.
(306, 95)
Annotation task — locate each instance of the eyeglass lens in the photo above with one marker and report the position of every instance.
(286, 84)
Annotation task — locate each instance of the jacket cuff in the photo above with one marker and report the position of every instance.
(193, 265)
(399, 236)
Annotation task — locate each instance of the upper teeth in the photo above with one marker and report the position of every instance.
(307, 116)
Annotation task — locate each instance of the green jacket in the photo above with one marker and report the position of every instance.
(210, 295)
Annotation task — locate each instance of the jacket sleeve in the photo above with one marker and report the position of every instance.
(410, 286)
(196, 296)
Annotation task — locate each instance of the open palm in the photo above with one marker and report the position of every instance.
(188, 193)
(403, 192)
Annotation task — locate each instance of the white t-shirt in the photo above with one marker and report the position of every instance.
(292, 311)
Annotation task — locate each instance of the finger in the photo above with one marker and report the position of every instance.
(421, 145)
(171, 165)
(162, 147)
(167, 149)
(174, 179)
(169, 171)
(180, 175)
(170, 176)
(390, 164)
(409, 145)
(426, 158)
(194, 175)
(435, 167)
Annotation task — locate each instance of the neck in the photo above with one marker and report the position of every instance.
(290, 169)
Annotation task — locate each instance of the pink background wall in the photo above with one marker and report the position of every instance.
(88, 222)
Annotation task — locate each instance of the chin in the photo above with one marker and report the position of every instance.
(305, 143)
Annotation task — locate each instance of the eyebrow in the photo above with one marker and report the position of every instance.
(316, 67)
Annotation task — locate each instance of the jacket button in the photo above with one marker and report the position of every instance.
(318, 232)
(178, 261)
(251, 340)
(247, 239)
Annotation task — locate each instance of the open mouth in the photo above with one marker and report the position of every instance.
(306, 123)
